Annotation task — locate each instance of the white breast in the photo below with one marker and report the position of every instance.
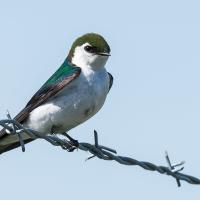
(76, 103)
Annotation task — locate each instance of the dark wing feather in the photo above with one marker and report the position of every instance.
(44, 94)
(62, 77)
(111, 80)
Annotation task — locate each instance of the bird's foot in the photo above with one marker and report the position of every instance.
(67, 144)
(71, 144)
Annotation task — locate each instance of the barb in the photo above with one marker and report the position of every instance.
(14, 127)
(99, 151)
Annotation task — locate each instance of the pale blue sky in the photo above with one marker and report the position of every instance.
(153, 106)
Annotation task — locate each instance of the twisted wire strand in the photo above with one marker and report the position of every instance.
(99, 151)
(102, 154)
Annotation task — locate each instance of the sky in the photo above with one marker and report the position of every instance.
(154, 104)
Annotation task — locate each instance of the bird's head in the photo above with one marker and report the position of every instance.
(90, 50)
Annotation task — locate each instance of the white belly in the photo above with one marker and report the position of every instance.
(76, 103)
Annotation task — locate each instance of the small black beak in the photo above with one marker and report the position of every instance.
(103, 54)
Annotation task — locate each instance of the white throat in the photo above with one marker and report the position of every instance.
(83, 59)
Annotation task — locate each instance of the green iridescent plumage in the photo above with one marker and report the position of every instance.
(66, 69)
(94, 40)
(65, 74)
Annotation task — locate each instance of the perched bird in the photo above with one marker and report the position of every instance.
(72, 95)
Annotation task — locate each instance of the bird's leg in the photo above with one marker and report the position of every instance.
(74, 144)
(68, 144)
(54, 140)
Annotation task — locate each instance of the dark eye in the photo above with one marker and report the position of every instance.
(90, 49)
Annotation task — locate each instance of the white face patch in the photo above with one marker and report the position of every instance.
(84, 59)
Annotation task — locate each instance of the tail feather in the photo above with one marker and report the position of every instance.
(9, 142)
(11, 146)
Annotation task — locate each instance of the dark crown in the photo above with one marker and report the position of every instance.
(94, 40)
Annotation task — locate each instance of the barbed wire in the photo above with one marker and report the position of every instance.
(99, 151)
